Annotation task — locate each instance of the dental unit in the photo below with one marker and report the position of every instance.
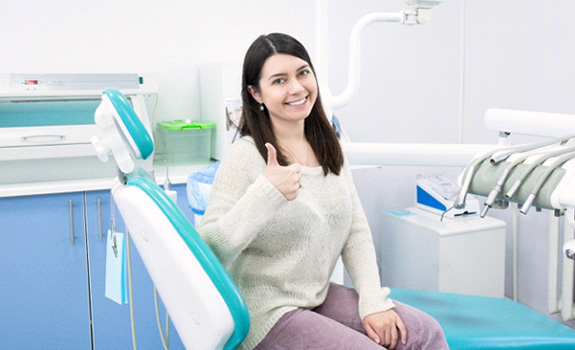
(484, 165)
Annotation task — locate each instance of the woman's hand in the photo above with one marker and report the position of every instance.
(285, 178)
(382, 328)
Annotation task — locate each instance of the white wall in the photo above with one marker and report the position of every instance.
(429, 83)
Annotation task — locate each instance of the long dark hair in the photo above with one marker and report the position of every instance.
(256, 123)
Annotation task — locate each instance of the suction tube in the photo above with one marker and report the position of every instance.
(541, 180)
(532, 166)
(470, 170)
(505, 174)
(500, 156)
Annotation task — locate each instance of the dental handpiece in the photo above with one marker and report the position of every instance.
(538, 161)
(501, 181)
(469, 171)
(502, 155)
(542, 179)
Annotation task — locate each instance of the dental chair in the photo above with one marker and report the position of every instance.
(203, 302)
(206, 307)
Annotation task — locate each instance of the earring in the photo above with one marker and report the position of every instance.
(261, 107)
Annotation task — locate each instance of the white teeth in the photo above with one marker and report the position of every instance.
(297, 103)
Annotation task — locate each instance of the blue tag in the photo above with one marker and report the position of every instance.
(116, 279)
(400, 212)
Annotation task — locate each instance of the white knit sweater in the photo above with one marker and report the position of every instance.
(281, 253)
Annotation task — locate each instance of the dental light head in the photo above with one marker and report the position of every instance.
(423, 4)
(124, 135)
(421, 12)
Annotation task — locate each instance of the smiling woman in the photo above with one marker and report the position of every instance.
(280, 90)
(284, 207)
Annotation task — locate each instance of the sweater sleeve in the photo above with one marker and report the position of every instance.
(241, 202)
(360, 260)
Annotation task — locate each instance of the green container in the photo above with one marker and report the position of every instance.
(184, 142)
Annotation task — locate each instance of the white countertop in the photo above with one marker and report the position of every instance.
(177, 174)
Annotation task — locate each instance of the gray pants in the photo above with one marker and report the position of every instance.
(336, 325)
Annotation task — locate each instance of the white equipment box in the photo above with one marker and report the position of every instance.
(463, 255)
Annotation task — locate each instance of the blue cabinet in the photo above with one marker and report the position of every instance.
(44, 300)
(52, 281)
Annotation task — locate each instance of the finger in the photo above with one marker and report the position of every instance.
(272, 155)
(297, 177)
(402, 330)
(297, 167)
(371, 333)
(387, 339)
(393, 335)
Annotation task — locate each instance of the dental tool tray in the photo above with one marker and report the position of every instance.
(184, 141)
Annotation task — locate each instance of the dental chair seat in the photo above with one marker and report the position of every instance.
(473, 322)
(203, 302)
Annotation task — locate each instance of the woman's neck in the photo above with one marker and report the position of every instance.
(291, 133)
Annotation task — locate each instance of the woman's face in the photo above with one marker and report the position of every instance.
(288, 88)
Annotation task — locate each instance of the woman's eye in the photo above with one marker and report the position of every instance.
(304, 72)
(279, 81)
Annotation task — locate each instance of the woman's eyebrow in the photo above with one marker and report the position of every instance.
(277, 75)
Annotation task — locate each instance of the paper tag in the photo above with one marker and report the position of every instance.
(116, 279)
(400, 213)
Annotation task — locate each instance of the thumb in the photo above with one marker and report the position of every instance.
(272, 155)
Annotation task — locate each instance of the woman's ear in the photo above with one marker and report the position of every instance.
(255, 93)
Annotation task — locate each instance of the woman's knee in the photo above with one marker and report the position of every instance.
(423, 331)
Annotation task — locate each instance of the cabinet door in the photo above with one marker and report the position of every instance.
(111, 321)
(44, 301)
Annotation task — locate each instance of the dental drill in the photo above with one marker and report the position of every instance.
(505, 174)
(502, 155)
(496, 156)
(542, 178)
(540, 160)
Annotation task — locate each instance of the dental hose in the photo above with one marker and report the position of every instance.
(166, 339)
(502, 155)
(503, 177)
(495, 157)
(532, 166)
(470, 171)
(542, 179)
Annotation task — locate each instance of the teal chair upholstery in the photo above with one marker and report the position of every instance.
(473, 322)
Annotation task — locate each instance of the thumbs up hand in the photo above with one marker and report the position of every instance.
(285, 178)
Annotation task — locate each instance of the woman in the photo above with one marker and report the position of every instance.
(283, 208)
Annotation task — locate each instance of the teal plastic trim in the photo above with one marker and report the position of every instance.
(207, 259)
(133, 124)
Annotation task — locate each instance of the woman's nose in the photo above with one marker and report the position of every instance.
(295, 87)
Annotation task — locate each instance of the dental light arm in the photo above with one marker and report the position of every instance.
(418, 14)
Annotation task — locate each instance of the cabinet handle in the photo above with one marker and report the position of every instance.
(100, 218)
(72, 221)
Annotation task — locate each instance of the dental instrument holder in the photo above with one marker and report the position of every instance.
(486, 175)
(204, 304)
